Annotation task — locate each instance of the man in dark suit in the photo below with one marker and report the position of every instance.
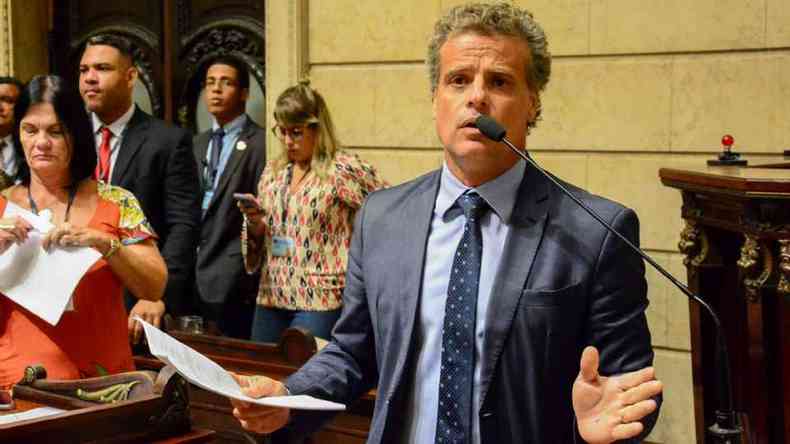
(225, 293)
(479, 299)
(10, 88)
(151, 159)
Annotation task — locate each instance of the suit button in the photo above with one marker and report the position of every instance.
(486, 415)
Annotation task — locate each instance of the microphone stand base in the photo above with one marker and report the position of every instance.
(726, 430)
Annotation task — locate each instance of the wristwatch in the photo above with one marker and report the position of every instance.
(115, 245)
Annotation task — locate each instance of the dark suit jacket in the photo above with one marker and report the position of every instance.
(563, 283)
(220, 268)
(155, 162)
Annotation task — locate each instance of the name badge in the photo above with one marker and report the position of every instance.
(207, 196)
(282, 246)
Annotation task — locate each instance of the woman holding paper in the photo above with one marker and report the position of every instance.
(55, 137)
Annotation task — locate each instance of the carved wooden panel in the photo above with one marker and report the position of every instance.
(140, 21)
(210, 28)
(172, 39)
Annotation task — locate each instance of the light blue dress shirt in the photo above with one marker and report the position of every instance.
(447, 227)
(232, 133)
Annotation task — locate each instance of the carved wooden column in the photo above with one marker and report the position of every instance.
(781, 318)
(737, 246)
(756, 265)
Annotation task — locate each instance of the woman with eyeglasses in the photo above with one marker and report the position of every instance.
(298, 230)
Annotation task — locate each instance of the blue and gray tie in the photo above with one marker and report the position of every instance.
(216, 151)
(454, 422)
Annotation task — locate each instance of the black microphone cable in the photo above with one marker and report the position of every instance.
(725, 430)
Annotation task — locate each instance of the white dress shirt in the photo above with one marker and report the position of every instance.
(117, 129)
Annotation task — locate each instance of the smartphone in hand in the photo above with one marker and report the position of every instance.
(246, 200)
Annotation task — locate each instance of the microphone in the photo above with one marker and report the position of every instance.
(725, 430)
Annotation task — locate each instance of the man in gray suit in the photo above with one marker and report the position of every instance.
(482, 303)
(225, 293)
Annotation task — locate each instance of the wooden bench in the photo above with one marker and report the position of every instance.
(211, 411)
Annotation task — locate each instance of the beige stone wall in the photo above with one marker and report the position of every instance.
(637, 85)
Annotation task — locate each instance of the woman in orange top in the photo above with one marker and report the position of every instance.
(54, 136)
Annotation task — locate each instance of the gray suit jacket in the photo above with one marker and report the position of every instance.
(220, 272)
(564, 282)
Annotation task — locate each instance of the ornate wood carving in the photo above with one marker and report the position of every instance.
(755, 276)
(784, 267)
(229, 37)
(693, 244)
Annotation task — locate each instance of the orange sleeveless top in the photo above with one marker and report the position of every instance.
(92, 338)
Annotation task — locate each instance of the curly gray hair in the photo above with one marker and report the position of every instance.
(494, 19)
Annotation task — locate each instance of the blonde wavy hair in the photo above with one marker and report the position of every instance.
(302, 105)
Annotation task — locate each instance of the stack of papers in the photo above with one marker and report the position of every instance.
(42, 281)
(207, 374)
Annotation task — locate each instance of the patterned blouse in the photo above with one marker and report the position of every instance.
(319, 217)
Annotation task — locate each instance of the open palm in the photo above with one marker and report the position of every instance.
(610, 408)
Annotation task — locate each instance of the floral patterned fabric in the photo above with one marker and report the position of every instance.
(133, 227)
(92, 338)
(319, 217)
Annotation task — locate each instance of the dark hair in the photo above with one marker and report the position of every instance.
(70, 112)
(122, 44)
(242, 72)
(7, 80)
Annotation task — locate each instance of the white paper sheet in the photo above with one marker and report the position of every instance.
(41, 281)
(29, 414)
(207, 374)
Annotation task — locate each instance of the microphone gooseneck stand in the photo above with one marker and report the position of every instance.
(726, 429)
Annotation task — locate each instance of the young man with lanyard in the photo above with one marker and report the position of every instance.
(231, 156)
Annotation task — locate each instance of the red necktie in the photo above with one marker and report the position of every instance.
(103, 167)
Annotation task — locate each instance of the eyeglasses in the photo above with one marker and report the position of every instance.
(295, 132)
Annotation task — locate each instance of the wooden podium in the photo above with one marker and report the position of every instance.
(156, 411)
(736, 241)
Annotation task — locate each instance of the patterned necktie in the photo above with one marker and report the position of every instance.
(216, 150)
(454, 425)
(102, 172)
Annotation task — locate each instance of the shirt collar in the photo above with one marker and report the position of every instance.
(500, 193)
(234, 125)
(116, 127)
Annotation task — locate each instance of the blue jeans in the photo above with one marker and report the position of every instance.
(269, 323)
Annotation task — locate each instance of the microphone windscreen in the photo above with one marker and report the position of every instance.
(490, 128)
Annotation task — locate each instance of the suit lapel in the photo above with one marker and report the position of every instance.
(233, 163)
(201, 150)
(133, 138)
(529, 220)
(417, 220)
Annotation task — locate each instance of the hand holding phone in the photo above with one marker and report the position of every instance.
(246, 200)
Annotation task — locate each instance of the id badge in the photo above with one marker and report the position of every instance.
(207, 196)
(282, 246)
